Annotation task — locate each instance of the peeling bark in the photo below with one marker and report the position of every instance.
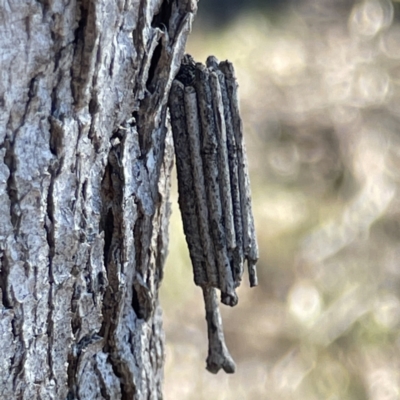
(85, 168)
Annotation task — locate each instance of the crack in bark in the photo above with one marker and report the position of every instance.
(153, 65)
(111, 200)
(162, 17)
(71, 378)
(103, 384)
(11, 162)
(4, 276)
(85, 41)
(49, 227)
(11, 189)
(141, 300)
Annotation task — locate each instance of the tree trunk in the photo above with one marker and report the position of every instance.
(85, 170)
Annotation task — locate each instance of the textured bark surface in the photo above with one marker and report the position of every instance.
(85, 164)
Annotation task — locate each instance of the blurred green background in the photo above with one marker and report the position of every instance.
(320, 99)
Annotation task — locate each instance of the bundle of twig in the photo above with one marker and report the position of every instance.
(214, 189)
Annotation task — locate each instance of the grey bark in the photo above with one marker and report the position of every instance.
(85, 165)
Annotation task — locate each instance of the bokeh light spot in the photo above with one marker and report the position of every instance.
(305, 302)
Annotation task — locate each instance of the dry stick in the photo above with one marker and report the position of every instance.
(223, 164)
(218, 354)
(187, 203)
(234, 180)
(250, 240)
(210, 163)
(212, 63)
(193, 129)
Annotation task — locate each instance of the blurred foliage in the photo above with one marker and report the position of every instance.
(216, 14)
(320, 99)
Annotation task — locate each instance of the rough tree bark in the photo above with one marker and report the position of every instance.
(84, 178)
